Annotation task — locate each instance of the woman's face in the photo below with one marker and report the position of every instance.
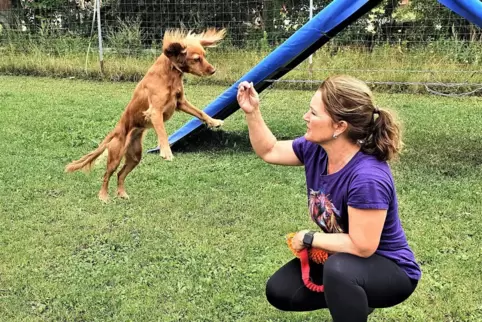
(320, 126)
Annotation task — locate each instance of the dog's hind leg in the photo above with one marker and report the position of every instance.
(133, 156)
(116, 151)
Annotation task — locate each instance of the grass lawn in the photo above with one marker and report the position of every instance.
(201, 235)
(428, 64)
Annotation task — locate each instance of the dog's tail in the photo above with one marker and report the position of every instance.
(87, 161)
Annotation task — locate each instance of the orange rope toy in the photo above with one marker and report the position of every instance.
(317, 255)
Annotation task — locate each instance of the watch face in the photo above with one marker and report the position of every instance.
(308, 239)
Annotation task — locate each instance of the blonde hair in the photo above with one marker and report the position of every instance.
(349, 99)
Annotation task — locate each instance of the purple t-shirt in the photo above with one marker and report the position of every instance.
(363, 183)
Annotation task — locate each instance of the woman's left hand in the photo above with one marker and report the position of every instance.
(297, 241)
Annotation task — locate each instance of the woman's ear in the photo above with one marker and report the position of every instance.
(340, 127)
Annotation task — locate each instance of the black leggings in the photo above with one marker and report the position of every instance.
(352, 285)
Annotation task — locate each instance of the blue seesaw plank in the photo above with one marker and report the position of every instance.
(469, 9)
(304, 42)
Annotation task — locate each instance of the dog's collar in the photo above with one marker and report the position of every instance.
(178, 69)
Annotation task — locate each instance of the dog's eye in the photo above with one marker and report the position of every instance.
(197, 59)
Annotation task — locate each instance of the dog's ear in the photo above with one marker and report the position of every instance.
(211, 37)
(175, 49)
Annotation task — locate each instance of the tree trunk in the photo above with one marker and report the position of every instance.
(5, 5)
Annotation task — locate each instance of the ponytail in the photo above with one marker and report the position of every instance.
(384, 141)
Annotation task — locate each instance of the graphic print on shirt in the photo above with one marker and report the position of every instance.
(324, 213)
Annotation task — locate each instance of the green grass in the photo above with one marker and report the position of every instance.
(201, 235)
(450, 62)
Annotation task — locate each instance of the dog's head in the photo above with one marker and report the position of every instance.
(186, 50)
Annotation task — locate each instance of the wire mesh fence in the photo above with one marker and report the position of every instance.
(399, 44)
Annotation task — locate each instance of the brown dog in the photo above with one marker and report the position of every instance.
(155, 99)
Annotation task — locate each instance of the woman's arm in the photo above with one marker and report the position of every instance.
(366, 227)
(264, 143)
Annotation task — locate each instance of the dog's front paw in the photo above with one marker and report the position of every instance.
(215, 123)
(166, 154)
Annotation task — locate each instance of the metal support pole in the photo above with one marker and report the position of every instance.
(310, 59)
(99, 30)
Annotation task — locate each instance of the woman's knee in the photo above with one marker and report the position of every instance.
(340, 266)
(276, 295)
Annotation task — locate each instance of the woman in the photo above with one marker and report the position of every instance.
(351, 197)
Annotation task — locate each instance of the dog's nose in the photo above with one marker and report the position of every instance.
(213, 71)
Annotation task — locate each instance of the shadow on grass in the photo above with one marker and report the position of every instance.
(207, 140)
(448, 155)
(218, 140)
(451, 156)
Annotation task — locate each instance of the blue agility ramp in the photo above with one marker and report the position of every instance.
(469, 9)
(304, 42)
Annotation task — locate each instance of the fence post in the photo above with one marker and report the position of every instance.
(99, 30)
(310, 59)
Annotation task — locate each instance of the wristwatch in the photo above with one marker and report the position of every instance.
(308, 239)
